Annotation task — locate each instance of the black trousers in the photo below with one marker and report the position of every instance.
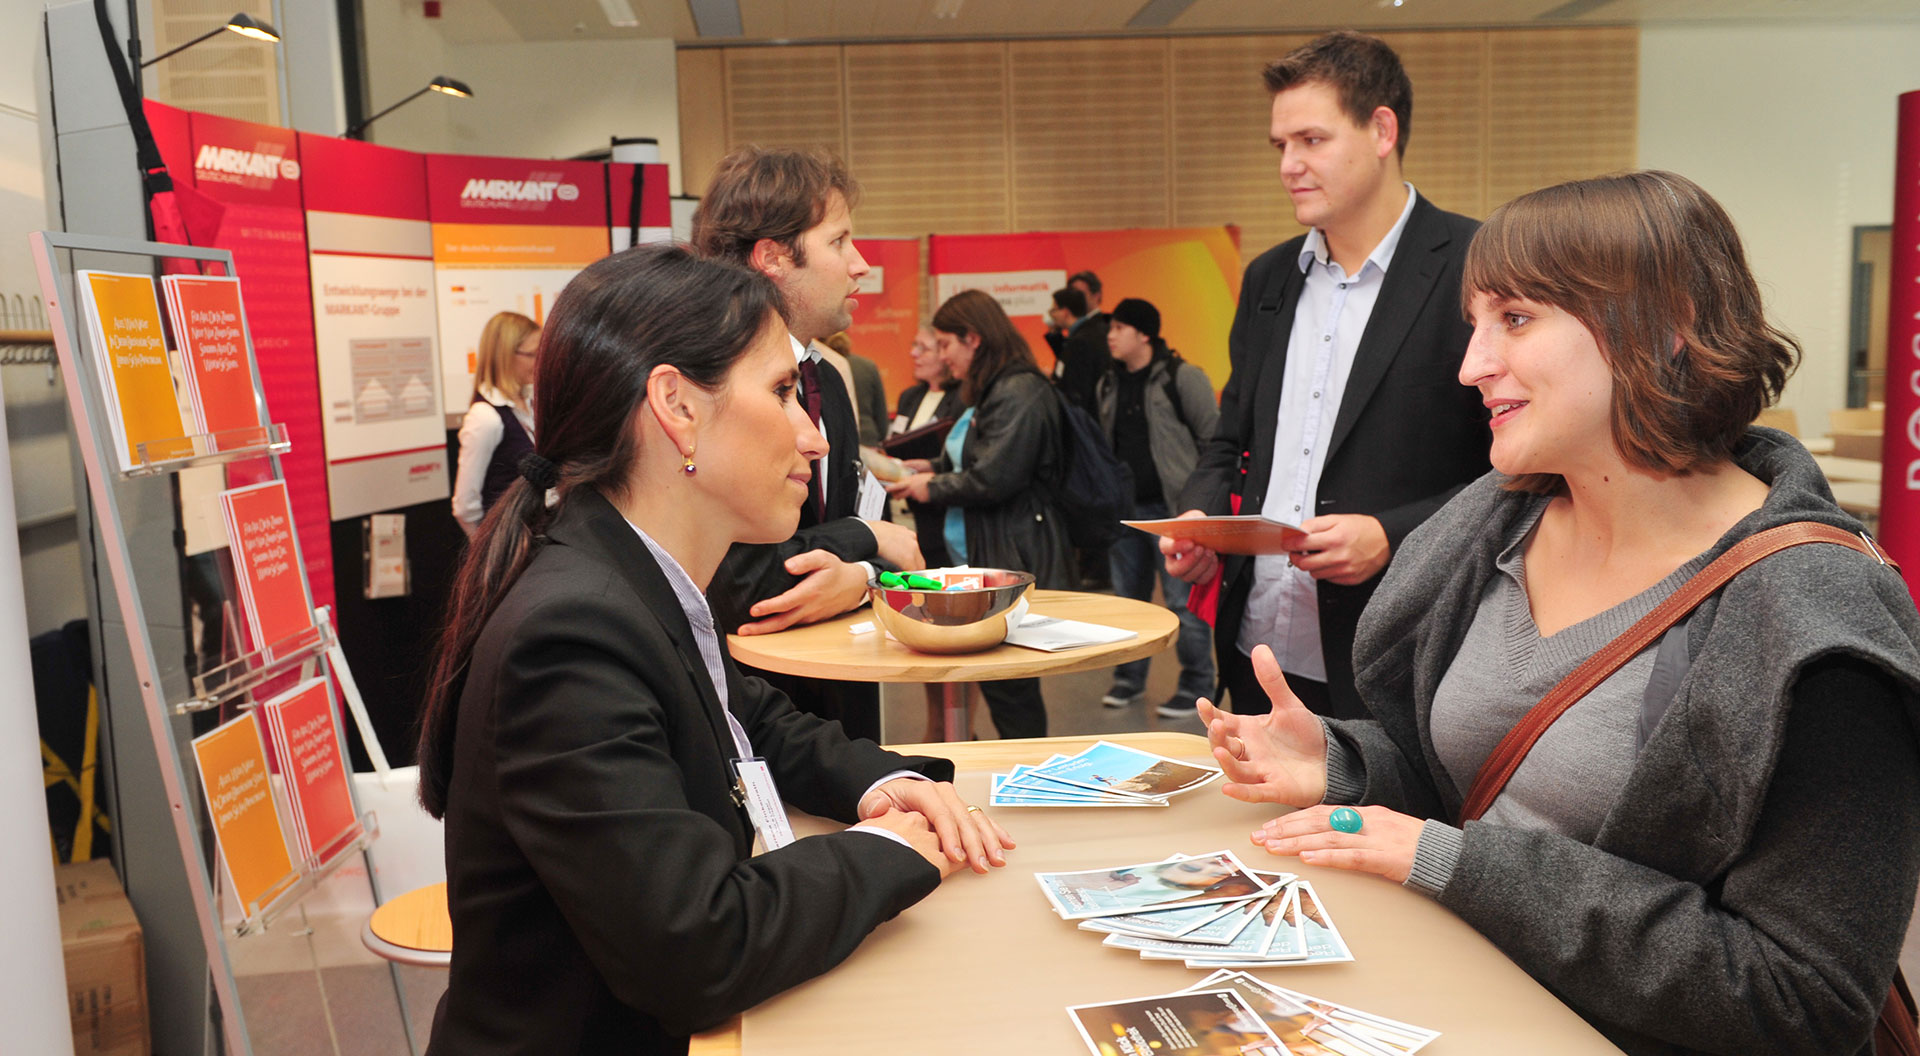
(1017, 708)
(1246, 697)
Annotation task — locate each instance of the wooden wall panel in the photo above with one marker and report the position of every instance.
(983, 136)
(1225, 171)
(1090, 127)
(702, 81)
(1447, 149)
(1563, 106)
(927, 137)
(228, 75)
(786, 97)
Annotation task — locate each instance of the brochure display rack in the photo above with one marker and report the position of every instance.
(233, 666)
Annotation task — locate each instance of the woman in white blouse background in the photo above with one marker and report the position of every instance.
(498, 430)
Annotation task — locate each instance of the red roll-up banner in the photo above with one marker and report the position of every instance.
(1900, 453)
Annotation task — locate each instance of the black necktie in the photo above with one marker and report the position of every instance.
(810, 392)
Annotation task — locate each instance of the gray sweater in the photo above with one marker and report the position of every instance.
(1749, 889)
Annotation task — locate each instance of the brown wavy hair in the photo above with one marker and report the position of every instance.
(1002, 349)
(1644, 260)
(759, 193)
(617, 320)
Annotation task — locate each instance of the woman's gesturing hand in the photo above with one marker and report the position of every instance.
(1384, 846)
(966, 835)
(1279, 757)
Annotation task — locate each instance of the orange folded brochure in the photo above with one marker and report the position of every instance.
(266, 565)
(253, 847)
(1240, 534)
(306, 741)
(210, 326)
(130, 350)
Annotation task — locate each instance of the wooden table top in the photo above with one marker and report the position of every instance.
(416, 920)
(830, 649)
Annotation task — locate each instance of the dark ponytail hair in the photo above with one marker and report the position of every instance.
(616, 321)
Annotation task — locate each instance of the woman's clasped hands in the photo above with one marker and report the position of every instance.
(937, 823)
(1281, 757)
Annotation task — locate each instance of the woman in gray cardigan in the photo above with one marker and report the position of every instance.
(1712, 851)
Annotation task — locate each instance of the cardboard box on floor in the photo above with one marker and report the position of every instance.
(106, 961)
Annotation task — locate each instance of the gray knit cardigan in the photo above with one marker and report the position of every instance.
(1749, 890)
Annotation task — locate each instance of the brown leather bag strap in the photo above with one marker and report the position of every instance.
(1513, 748)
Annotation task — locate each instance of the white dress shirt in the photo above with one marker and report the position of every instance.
(1283, 609)
(700, 618)
(480, 433)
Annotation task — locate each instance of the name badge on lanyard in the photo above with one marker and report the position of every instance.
(764, 809)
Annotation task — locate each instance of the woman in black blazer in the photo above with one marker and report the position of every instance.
(583, 715)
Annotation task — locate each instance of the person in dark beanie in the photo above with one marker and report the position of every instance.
(1157, 410)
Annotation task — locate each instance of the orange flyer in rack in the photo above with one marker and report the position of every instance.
(307, 745)
(234, 775)
(211, 328)
(130, 345)
(266, 565)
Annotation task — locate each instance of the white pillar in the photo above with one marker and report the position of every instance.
(33, 978)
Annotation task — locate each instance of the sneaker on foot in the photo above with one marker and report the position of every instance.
(1120, 697)
(1178, 708)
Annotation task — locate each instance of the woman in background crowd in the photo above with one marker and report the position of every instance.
(1711, 851)
(583, 718)
(934, 396)
(498, 430)
(1002, 460)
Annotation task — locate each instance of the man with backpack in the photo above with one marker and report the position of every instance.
(1156, 410)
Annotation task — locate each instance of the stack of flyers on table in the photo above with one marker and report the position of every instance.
(1105, 775)
(1209, 911)
(1232, 1012)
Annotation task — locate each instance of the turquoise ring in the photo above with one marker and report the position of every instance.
(1345, 819)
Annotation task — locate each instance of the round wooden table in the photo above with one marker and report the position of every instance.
(831, 650)
(413, 928)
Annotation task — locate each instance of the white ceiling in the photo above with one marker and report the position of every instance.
(505, 21)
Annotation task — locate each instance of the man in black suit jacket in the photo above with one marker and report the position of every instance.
(1344, 413)
(788, 215)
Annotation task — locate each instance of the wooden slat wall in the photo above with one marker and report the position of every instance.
(956, 137)
(1562, 106)
(929, 143)
(1090, 134)
(229, 75)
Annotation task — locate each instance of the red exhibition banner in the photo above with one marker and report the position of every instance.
(253, 172)
(887, 311)
(508, 235)
(1191, 274)
(376, 334)
(1900, 451)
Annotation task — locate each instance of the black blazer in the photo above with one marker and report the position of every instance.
(1408, 435)
(598, 874)
(930, 519)
(754, 572)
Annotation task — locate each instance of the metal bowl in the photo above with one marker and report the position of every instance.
(964, 620)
